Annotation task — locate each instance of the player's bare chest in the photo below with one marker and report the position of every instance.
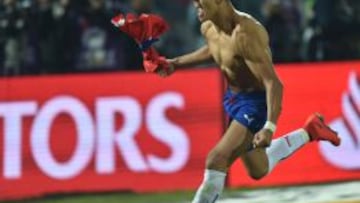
(222, 48)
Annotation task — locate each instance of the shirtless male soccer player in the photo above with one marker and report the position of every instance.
(240, 46)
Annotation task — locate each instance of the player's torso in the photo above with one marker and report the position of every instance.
(223, 49)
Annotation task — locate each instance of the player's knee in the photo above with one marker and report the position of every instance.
(217, 160)
(259, 173)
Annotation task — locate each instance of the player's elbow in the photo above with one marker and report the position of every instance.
(280, 85)
(274, 84)
(279, 88)
(276, 88)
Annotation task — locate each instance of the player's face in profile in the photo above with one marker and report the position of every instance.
(205, 9)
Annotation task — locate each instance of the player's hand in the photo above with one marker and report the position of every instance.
(262, 139)
(165, 73)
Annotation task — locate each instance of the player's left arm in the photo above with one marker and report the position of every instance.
(254, 47)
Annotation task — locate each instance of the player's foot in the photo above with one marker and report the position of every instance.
(318, 130)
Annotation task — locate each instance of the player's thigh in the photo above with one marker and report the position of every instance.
(236, 140)
(256, 163)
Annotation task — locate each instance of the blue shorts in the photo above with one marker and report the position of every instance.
(249, 109)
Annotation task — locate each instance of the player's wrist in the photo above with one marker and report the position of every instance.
(174, 62)
(270, 126)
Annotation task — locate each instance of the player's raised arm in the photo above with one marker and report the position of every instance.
(202, 55)
(253, 45)
(197, 57)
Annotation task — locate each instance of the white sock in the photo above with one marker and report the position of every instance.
(211, 188)
(285, 146)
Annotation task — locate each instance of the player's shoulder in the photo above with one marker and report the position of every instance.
(248, 27)
(205, 26)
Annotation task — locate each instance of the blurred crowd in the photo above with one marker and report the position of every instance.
(68, 36)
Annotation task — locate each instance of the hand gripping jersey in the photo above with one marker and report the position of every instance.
(146, 29)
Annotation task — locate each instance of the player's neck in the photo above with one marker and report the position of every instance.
(225, 20)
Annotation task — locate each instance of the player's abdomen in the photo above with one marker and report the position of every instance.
(241, 79)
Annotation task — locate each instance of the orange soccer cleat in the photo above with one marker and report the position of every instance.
(318, 130)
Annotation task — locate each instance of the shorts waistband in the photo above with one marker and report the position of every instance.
(247, 95)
